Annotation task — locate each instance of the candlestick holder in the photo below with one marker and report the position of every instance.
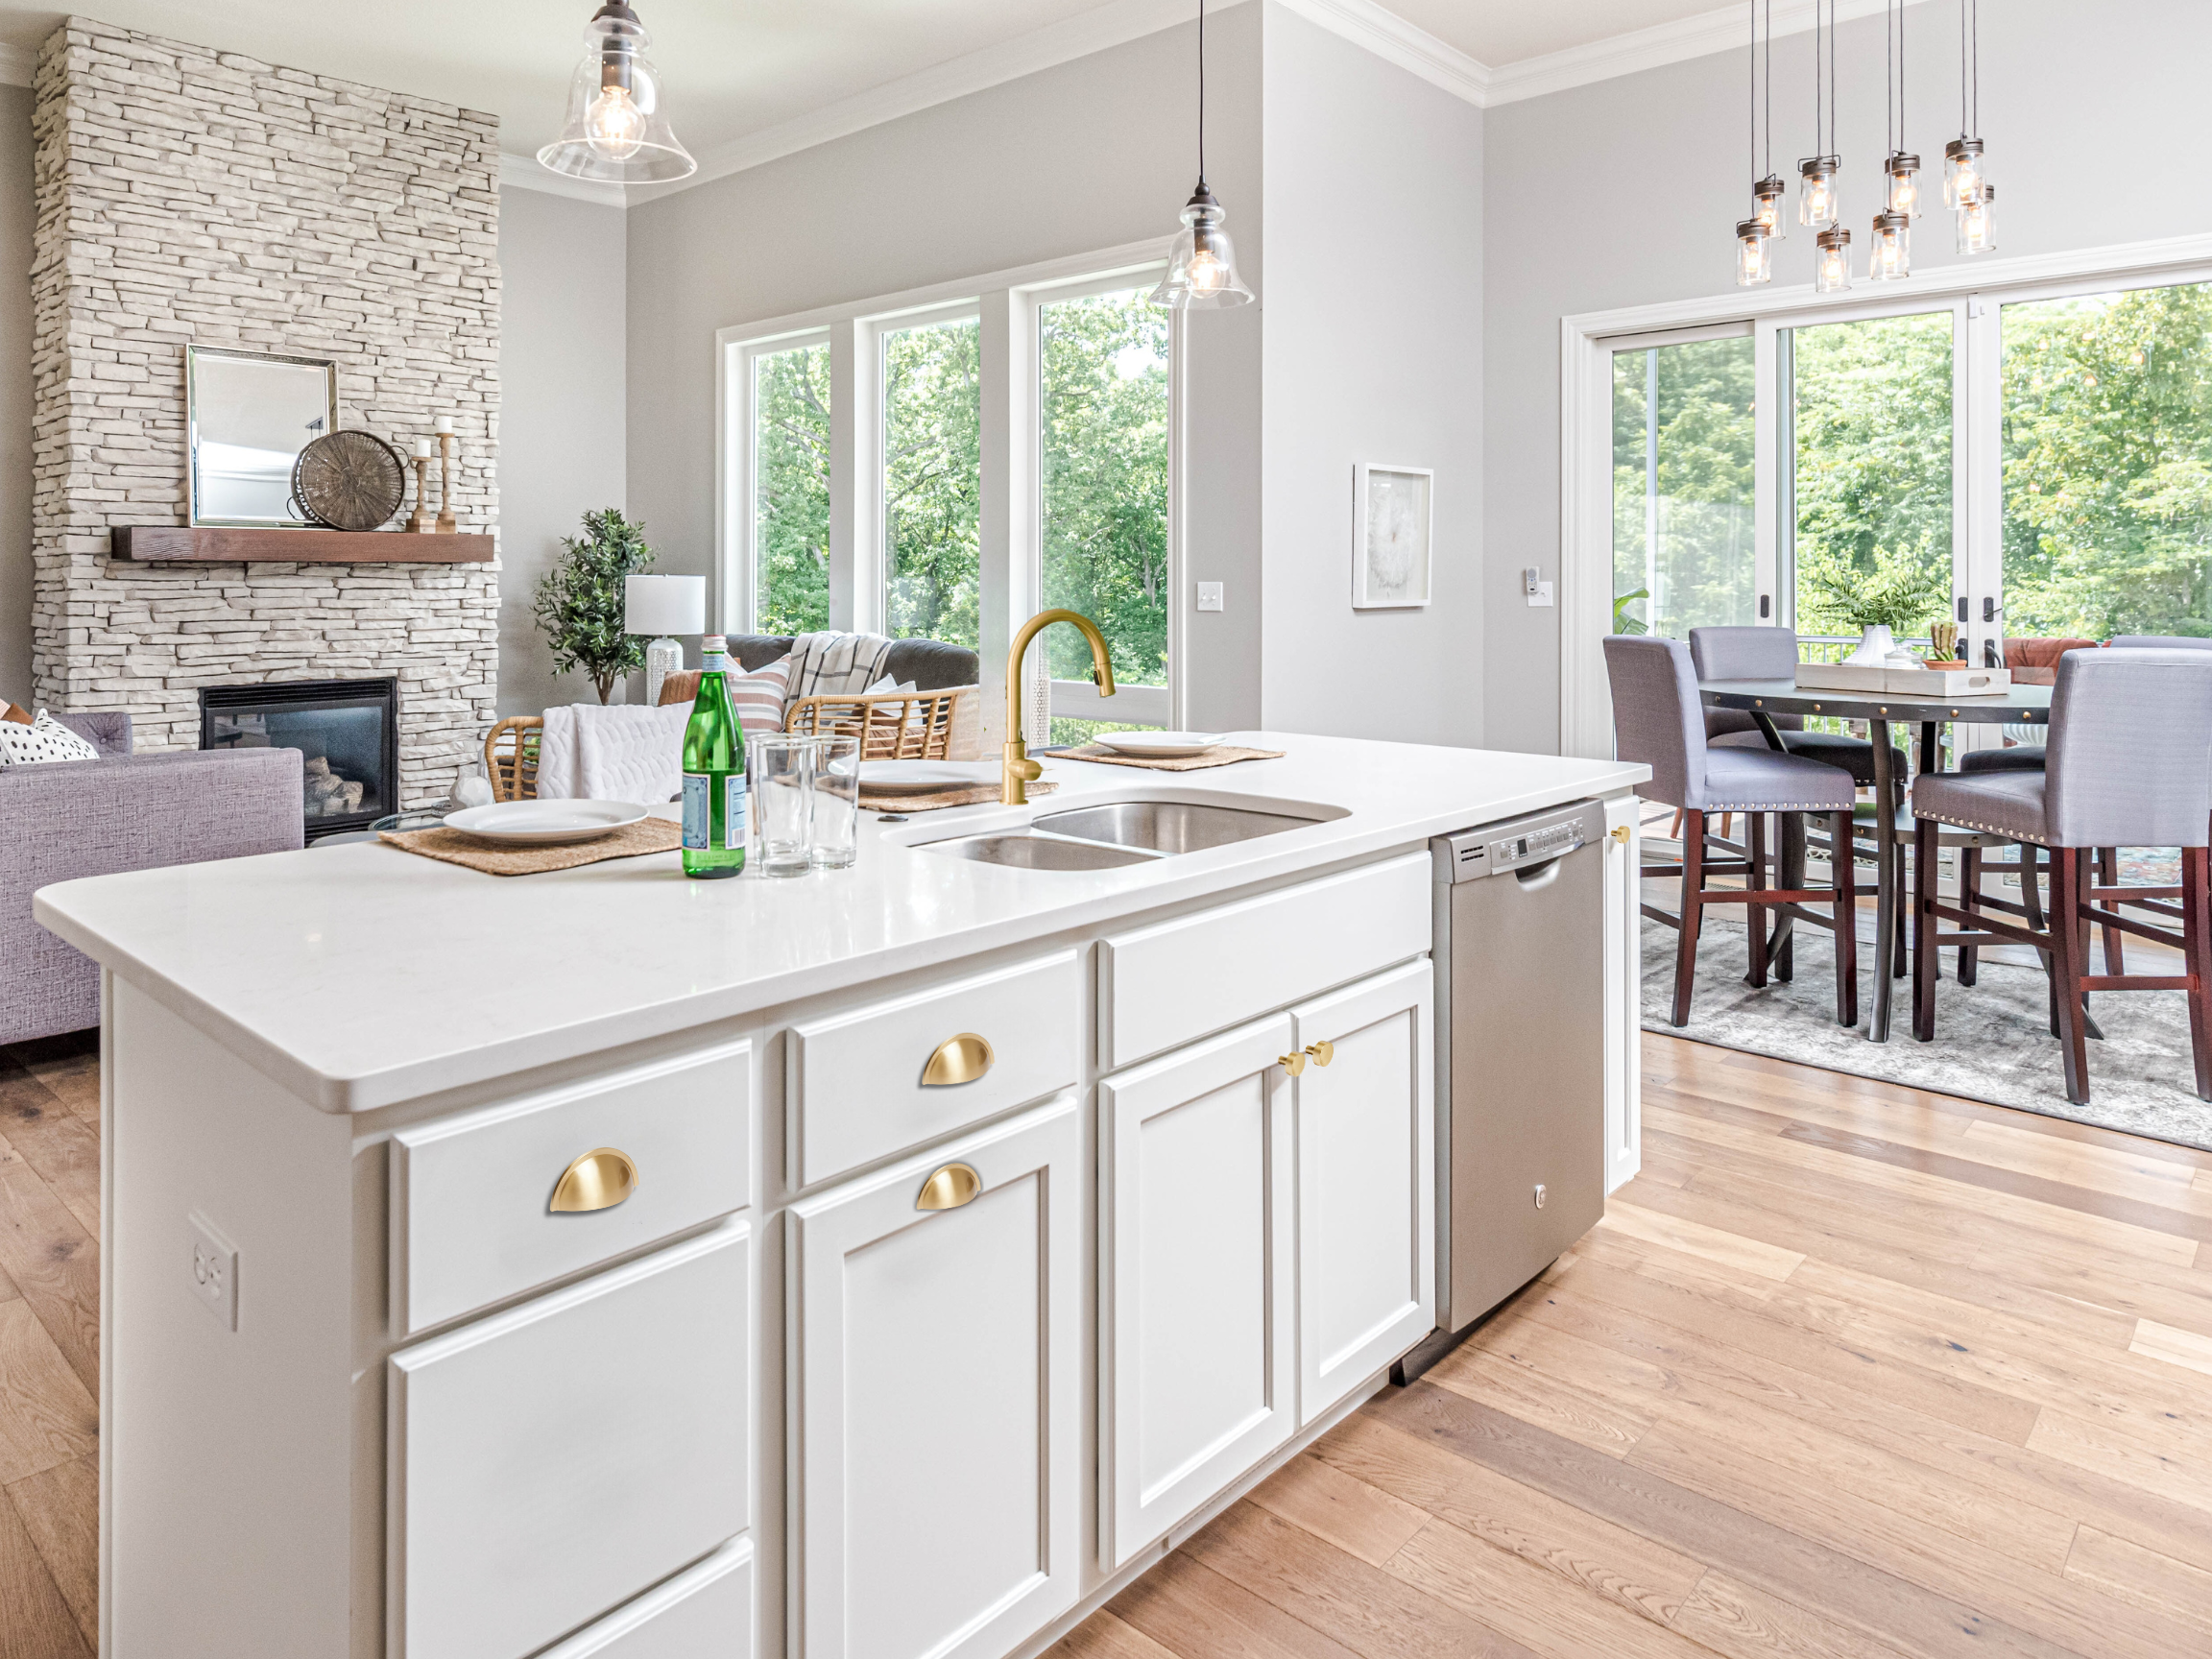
(446, 523)
(421, 522)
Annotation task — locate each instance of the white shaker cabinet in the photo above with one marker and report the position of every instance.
(937, 1458)
(1366, 1181)
(1196, 1366)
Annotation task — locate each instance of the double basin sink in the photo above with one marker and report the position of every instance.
(1119, 833)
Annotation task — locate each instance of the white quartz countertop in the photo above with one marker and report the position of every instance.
(361, 975)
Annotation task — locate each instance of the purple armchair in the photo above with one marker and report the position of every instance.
(122, 811)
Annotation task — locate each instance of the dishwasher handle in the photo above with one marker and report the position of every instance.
(1538, 877)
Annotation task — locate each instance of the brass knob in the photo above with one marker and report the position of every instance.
(960, 1059)
(1322, 1052)
(1292, 1062)
(599, 1180)
(951, 1186)
(1619, 834)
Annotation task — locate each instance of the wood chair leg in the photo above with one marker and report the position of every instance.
(2108, 875)
(1674, 830)
(1969, 897)
(1727, 826)
(2197, 949)
(1843, 876)
(1924, 833)
(2069, 944)
(1755, 915)
(1692, 914)
(1790, 836)
(2032, 902)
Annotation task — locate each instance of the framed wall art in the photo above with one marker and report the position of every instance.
(1393, 512)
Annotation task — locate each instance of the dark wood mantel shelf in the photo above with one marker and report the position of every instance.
(175, 543)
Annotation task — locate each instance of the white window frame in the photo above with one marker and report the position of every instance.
(1977, 290)
(1006, 302)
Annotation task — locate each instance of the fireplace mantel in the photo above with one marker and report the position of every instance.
(179, 545)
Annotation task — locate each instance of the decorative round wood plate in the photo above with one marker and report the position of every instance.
(349, 480)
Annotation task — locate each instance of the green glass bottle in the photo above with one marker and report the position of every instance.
(714, 774)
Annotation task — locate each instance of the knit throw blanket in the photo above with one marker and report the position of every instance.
(836, 664)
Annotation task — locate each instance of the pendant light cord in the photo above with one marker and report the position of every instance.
(1769, 88)
(1201, 94)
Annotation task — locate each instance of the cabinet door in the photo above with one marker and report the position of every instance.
(1196, 1369)
(1367, 1183)
(937, 1441)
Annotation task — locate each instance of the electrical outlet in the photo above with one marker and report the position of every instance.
(1209, 596)
(215, 1271)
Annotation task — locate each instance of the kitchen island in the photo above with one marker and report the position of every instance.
(888, 1263)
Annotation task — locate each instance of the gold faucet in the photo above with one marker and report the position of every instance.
(1020, 769)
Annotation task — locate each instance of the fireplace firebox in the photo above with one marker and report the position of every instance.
(346, 731)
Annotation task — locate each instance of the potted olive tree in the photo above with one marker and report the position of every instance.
(580, 600)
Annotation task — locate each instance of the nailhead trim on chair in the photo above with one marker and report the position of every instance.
(1973, 823)
(1781, 806)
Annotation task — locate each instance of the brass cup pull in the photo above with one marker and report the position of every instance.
(954, 1185)
(599, 1180)
(1322, 1052)
(1293, 1062)
(960, 1059)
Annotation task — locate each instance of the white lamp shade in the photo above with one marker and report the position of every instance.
(664, 605)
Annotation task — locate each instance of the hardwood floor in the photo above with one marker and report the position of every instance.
(1850, 1371)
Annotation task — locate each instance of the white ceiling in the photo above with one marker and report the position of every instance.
(738, 71)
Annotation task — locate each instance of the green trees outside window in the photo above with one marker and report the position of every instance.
(932, 480)
(1102, 471)
(792, 490)
(1683, 534)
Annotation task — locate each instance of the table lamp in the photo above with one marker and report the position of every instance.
(663, 606)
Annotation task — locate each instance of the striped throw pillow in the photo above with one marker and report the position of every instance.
(759, 697)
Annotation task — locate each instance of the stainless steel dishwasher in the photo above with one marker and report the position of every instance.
(1519, 1058)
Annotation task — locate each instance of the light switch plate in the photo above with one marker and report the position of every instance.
(1540, 594)
(1209, 596)
(214, 1271)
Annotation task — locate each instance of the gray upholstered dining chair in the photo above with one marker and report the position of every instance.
(2130, 765)
(1769, 654)
(1657, 721)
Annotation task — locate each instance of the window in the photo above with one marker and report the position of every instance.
(2108, 464)
(1684, 547)
(932, 481)
(1102, 408)
(790, 494)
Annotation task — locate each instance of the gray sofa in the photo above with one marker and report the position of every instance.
(122, 811)
(931, 664)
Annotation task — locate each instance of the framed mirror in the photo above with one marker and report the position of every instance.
(249, 415)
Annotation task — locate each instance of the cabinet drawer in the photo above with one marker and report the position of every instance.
(705, 1612)
(471, 1194)
(856, 1079)
(1163, 985)
(548, 1463)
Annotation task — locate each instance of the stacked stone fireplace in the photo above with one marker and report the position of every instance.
(186, 196)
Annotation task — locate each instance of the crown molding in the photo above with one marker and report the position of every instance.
(523, 173)
(1700, 37)
(17, 65)
(1390, 37)
(1098, 30)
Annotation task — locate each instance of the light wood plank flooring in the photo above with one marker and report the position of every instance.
(1850, 1372)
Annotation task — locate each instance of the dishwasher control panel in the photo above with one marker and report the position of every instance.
(1497, 848)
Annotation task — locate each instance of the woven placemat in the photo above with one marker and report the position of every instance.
(453, 847)
(971, 795)
(1222, 756)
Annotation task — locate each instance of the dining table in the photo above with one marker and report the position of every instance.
(1765, 698)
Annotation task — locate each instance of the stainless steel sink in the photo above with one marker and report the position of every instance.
(1168, 827)
(1039, 852)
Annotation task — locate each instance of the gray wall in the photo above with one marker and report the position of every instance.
(561, 450)
(16, 215)
(1624, 193)
(1373, 352)
(1088, 155)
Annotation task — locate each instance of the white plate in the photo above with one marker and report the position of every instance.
(923, 777)
(544, 823)
(1159, 745)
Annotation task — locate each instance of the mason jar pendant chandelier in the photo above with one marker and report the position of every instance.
(1201, 267)
(617, 132)
(1966, 188)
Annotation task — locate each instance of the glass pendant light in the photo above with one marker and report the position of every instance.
(1201, 267)
(1961, 171)
(1901, 191)
(1767, 206)
(617, 132)
(1832, 265)
(1962, 176)
(1754, 257)
(1819, 196)
(1769, 195)
(1890, 257)
(1901, 171)
(1977, 222)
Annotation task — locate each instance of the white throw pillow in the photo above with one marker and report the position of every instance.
(42, 742)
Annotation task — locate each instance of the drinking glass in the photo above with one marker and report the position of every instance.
(780, 766)
(837, 800)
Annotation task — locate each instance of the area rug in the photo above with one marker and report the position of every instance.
(1993, 1039)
